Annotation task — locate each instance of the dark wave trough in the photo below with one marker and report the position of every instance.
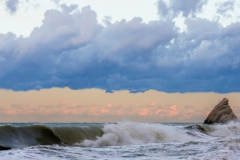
(23, 136)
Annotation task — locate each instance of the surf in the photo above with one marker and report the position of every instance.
(24, 136)
(111, 134)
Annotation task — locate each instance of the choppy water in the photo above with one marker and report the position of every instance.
(123, 140)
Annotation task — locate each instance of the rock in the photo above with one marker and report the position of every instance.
(222, 113)
(4, 148)
(196, 127)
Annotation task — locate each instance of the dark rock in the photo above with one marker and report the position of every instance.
(222, 113)
(196, 127)
(4, 148)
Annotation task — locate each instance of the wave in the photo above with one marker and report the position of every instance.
(15, 137)
(122, 133)
(126, 132)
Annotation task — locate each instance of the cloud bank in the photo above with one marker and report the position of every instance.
(72, 49)
(12, 5)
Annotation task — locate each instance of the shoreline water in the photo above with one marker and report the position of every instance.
(122, 140)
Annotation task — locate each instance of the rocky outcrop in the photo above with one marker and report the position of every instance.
(222, 113)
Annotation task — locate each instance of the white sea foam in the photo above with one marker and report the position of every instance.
(226, 130)
(127, 132)
(143, 141)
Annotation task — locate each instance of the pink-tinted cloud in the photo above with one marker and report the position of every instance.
(189, 113)
(104, 110)
(152, 110)
(24, 108)
(109, 105)
(66, 108)
(173, 110)
(11, 112)
(94, 112)
(144, 112)
(167, 111)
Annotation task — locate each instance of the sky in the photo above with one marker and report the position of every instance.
(109, 60)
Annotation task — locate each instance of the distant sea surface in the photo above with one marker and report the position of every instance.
(123, 140)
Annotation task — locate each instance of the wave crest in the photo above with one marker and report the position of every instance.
(128, 132)
(15, 137)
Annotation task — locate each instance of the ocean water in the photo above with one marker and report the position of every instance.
(123, 140)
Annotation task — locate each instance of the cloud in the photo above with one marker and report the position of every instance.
(171, 111)
(173, 8)
(226, 6)
(68, 9)
(56, 1)
(12, 5)
(24, 108)
(71, 49)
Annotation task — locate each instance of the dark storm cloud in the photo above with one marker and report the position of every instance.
(71, 49)
(12, 5)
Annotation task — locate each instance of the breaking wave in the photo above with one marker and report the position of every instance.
(122, 133)
(14, 137)
(127, 132)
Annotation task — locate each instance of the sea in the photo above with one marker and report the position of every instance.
(123, 140)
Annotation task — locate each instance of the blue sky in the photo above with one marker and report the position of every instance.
(179, 46)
